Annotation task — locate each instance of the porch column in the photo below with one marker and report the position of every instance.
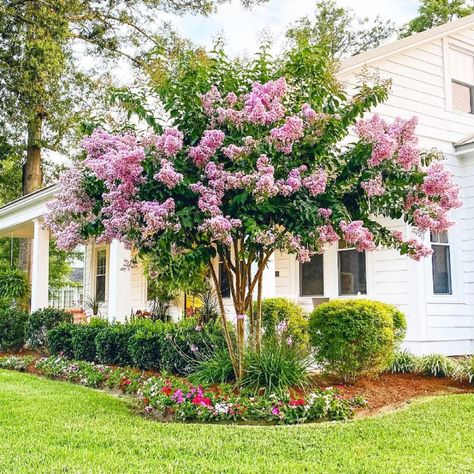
(268, 279)
(120, 284)
(40, 267)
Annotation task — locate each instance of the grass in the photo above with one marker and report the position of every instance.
(48, 426)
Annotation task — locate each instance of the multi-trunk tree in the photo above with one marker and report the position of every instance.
(265, 156)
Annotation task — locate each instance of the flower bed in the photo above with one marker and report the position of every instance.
(172, 398)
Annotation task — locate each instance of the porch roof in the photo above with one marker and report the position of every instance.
(16, 217)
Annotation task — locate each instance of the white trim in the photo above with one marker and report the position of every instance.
(390, 49)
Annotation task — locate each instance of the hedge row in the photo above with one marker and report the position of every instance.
(150, 345)
(18, 328)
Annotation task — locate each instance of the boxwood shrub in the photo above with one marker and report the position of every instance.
(145, 345)
(356, 337)
(40, 322)
(60, 339)
(186, 343)
(83, 342)
(111, 344)
(278, 310)
(12, 329)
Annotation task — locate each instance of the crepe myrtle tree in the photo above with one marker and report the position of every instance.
(268, 172)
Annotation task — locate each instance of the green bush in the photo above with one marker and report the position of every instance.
(282, 310)
(403, 363)
(216, 369)
(357, 337)
(60, 339)
(436, 365)
(187, 342)
(41, 321)
(276, 368)
(12, 329)
(144, 346)
(464, 370)
(83, 342)
(111, 344)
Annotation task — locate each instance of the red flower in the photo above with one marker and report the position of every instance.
(166, 390)
(204, 401)
(297, 402)
(126, 381)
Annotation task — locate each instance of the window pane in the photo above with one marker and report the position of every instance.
(461, 97)
(100, 288)
(352, 273)
(441, 270)
(312, 277)
(100, 275)
(439, 237)
(224, 281)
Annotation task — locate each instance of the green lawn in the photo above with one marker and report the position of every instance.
(48, 427)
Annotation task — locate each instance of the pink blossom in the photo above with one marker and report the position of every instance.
(374, 187)
(167, 175)
(219, 228)
(316, 182)
(355, 233)
(285, 136)
(207, 147)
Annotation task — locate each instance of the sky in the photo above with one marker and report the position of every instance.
(242, 27)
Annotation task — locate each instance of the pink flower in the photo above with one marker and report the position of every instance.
(374, 187)
(316, 182)
(167, 175)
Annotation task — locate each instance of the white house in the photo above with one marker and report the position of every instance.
(432, 77)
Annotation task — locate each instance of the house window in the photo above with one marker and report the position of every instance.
(312, 277)
(352, 271)
(100, 275)
(224, 281)
(441, 263)
(462, 80)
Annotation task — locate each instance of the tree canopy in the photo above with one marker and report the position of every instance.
(259, 158)
(433, 13)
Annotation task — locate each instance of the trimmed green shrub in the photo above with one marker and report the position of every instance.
(12, 329)
(283, 310)
(41, 321)
(216, 369)
(276, 368)
(97, 322)
(187, 342)
(403, 363)
(436, 365)
(144, 346)
(83, 342)
(464, 370)
(111, 344)
(60, 339)
(356, 337)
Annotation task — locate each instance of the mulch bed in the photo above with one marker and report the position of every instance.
(391, 391)
(384, 393)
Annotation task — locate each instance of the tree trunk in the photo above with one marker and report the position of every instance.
(32, 179)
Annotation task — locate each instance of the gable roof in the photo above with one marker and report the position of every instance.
(389, 49)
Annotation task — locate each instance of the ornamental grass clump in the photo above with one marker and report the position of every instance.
(403, 363)
(464, 370)
(436, 365)
(215, 369)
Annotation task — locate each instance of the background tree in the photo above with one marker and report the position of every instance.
(341, 31)
(433, 13)
(44, 90)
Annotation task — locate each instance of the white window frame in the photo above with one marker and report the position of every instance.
(96, 250)
(449, 44)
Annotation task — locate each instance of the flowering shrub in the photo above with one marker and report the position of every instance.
(256, 169)
(15, 362)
